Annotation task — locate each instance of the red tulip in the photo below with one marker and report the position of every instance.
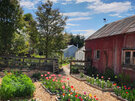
(72, 87)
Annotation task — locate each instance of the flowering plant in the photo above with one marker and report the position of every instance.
(125, 92)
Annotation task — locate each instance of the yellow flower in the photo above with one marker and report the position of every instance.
(9, 73)
(90, 95)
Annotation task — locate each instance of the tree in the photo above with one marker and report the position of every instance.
(31, 30)
(51, 24)
(20, 44)
(10, 22)
(77, 40)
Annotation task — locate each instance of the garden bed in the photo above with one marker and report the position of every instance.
(118, 97)
(78, 77)
(48, 90)
(99, 88)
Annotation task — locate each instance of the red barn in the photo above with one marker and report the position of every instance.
(113, 46)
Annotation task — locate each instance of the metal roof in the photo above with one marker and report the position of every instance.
(125, 25)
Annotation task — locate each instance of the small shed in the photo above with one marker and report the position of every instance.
(80, 54)
(70, 51)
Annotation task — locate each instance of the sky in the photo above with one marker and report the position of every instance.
(86, 16)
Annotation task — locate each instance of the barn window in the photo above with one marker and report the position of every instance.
(134, 58)
(97, 54)
(129, 57)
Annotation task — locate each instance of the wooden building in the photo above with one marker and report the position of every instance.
(113, 46)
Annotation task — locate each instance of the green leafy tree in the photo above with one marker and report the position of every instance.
(51, 24)
(31, 30)
(10, 22)
(77, 40)
(20, 44)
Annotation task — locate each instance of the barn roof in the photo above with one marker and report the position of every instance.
(125, 25)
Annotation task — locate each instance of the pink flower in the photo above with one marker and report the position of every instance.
(53, 80)
(47, 78)
(102, 77)
(129, 87)
(48, 72)
(45, 74)
(63, 77)
(59, 75)
(50, 77)
(41, 75)
(56, 80)
(63, 87)
(61, 80)
(67, 78)
(85, 93)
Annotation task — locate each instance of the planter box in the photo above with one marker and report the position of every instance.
(99, 88)
(48, 90)
(78, 78)
(118, 97)
(57, 99)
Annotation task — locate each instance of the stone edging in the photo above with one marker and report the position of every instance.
(47, 90)
(77, 78)
(99, 88)
(56, 99)
(118, 97)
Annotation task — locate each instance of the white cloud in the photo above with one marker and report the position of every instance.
(79, 18)
(80, 1)
(118, 15)
(85, 33)
(54, 1)
(116, 7)
(31, 4)
(76, 14)
(69, 24)
(28, 4)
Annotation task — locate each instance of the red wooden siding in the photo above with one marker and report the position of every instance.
(111, 47)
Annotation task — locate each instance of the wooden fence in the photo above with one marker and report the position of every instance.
(80, 64)
(29, 62)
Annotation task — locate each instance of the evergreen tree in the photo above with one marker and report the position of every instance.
(10, 22)
(51, 25)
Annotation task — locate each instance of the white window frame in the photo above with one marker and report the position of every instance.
(95, 54)
(132, 59)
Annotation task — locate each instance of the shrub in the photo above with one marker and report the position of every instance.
(123, 79)
(74, 70)
(15, 85)
(36, 75)
(81, 75)
(91, 71)
(109, 73)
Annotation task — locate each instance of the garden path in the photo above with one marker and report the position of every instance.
(41, 94)
(81, 87)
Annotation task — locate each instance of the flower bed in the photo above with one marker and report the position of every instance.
(56, 85)
(16, 85)
(52, 83)
(80, 77)
(100, 83)
(69, 94)
(125, 93)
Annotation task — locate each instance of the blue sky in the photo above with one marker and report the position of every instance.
(86, 16)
